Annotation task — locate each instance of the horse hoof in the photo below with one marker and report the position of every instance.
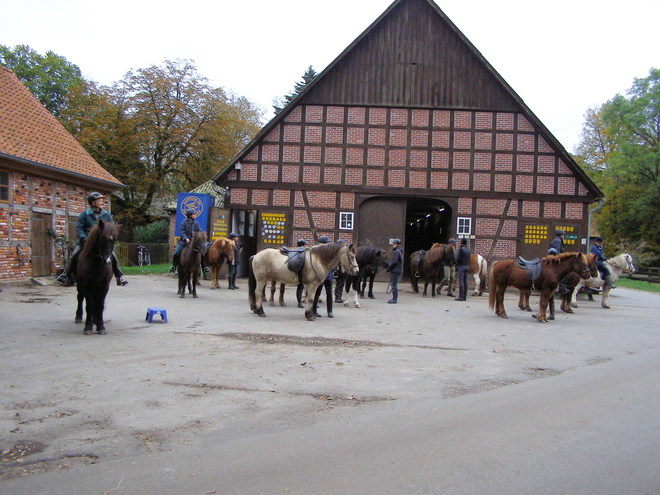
(78, 320)
(283, 305)
(101, 331)
(195, 296)
(272, 305)
(262, 315)
(551, 318)
(87, 332)
(182, 296)
(606, 306)
(357, 306)
(300, 305)
(346, 304)
(213, 288)
(371, 296)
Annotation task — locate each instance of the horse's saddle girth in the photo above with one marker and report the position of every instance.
(533, 267)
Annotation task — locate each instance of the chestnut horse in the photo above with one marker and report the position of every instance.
(507, 273)
(94, 273)
(565, 290)
(270, 264)
(222, 249)
(189, 262)
(430, 266)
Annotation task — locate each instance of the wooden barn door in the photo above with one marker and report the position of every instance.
(41, 243)
(379, 220)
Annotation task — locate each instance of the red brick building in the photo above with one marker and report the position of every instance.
(45, 177)
(409, 133)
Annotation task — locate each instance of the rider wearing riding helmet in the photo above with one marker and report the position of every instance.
(86, 221)
(558, 242)
(597, 250)
(187, 230)
(395, 268)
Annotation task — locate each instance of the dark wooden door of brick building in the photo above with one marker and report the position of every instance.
(382, 219)
(41, 243)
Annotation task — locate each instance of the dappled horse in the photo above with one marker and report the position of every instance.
(189, 262)
(369, 260)
(94, 273)
(220, 251)
(270, 264)
(622, 263)
(553, 269)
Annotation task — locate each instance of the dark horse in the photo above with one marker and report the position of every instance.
(553, 269)
(189, 263)
(369, 259)
(94, 273)
(429, 265)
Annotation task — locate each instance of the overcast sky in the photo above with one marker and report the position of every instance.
(561, 57)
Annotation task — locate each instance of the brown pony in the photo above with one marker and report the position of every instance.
(430, 266)
(222, 249)
(189, 262)
(507, 273)
(566, 289)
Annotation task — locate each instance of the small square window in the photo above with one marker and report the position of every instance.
(464, 226)
(346, 221)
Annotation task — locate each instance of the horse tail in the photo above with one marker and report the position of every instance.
(492, 287)
(252, 284)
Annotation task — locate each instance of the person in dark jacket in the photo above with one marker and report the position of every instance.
(301, 287)
(558, 242)
(187, 230)
(395, 267)
(86, 220)
(462, 269)
(327, 283)
(597, 250)
(233, 266)
(340, 280)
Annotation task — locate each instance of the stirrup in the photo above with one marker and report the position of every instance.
(172, 269)
(63, 280)
(121, 281)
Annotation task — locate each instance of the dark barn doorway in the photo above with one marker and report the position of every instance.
(427, 221)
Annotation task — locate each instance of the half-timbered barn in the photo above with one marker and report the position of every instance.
(409, 133)
(45, 178)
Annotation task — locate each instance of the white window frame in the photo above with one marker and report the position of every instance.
(463, 226)
(346, 220)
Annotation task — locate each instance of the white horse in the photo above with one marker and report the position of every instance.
(622, 263)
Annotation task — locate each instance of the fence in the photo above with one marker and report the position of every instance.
(648, 274)
(128, 253)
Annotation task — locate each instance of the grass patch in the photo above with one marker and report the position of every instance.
(629, 283)
(146, 270)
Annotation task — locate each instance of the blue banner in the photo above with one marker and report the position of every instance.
(201, 203)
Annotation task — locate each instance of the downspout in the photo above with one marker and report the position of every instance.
(601, 203)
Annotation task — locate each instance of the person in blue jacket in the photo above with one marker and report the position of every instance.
(187, 230)
(327, 283)
(597, 250)
(86, 220)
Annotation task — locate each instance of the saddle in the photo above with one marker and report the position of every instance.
(533, 267)
(420, 258)
(295, 260)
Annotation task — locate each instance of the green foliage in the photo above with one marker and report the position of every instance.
(308, 77)
(154, 233)
(49, 77)
(159, 130)
(620, 149)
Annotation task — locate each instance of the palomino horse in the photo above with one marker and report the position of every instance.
(369, 260)
(94, 273)
(189, 263)
(622, 263)
(553, 269)
(566, 288)
(270, 264)
(222, 249)
(478, 269)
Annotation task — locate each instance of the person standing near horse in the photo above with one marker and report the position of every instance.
(301, 287)
(327, 283)
(597, 250)
(462, 269)
(558, 242)
(449, 267)
(189, 226)
(86, 221)
(340, 281)
(395, 268)
(233, 265)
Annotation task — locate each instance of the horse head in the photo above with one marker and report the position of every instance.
(199, 242)
(593, 264)
(630, 266)
(349, 264)
(583, 266)
(384, 258)
(101, 240)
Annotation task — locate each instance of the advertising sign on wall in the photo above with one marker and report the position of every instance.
(201, 203)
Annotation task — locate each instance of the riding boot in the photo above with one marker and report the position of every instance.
(395, 296)
(233, 282)
(608, 282)
(175, 262)
(121, 281)
(329, 307)
(299, 292)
